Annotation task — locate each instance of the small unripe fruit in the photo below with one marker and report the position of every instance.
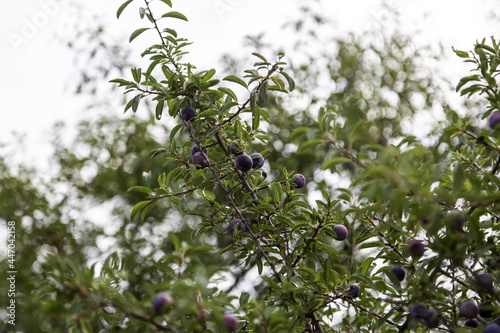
(299, 180)
(432, 320)
(492, 328)
(419, 311)
(483, 282)
(416, 248)
(353, 291)
(258, 160)
(457, 219)
(187, 114)
(200, 159)
(486, 309)
(244, 163)
(469, 309)
(161, 300)
(236, 223)
(203, 314)
(494, 120)
(399, 272)
(473, 322)
(341, 232)
(235, 148)
(230, 322)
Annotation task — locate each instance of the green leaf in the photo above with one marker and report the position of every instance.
(255, 111)
(159, 109)
(235, 79)
(260, 56)
(170, 31)
(123, 82)
(136, 33)
(298, 132)
(208, 75)
(168, 2)
(208, 113)
(174, 131)
(176, 15)
(334, 161)
(122, 7)
(275, 191)
(136, 73)
(366, 265)
(203, 249)
(244, 297)
(137, 208)
(363, 278)
(291, 82)
(140, 189)
(467, 79)
(147, 208)
(461, 54)
(146, 178)
(161, 180)
(156, 152)
(228, 92)
(207, 194)
(85, 326)
(309, 143)
(259, 265)
(263, 92)
(135, 102)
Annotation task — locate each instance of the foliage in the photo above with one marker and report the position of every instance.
(283, 268)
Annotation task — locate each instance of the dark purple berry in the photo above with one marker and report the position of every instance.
(230, 322)
(419, 311)
(187, 114)
(340, 231)
(469, 309)
(235, 148)
(416, 248)
(473, 322)
(195, 149)
(432, 320)
(299, 180)
(399, 272)
(264, 174)
(161, 300)
(486, 309)
(200, 159)
(483, 282)
(244, 163)
(353, 291)
(236, 223)
(494, 120)
(492, 328)
(258, 160)
(456, 218)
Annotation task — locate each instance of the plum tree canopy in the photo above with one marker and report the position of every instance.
(355, 224)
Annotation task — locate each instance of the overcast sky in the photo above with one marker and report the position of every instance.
(39, 67)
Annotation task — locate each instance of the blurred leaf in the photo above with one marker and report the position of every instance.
(176, 15)
(236, 79)
(136, 33)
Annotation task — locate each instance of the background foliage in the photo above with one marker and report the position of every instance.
(128, 213)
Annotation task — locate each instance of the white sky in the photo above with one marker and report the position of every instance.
(38, 72)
